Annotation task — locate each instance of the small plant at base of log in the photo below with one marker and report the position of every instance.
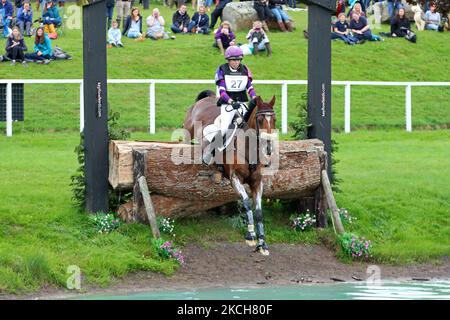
(166, 225)
(355, 247)
(105, 222)
(345, 216)
(303, 222)
(166, 250)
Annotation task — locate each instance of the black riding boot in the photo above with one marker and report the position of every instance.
(269, 49)
(255, 49)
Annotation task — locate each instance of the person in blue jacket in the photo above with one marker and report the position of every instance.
(199, 22)
(52, 20)
(6, 13)
(43, 52)
(25, 19)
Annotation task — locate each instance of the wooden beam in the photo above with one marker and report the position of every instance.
(339, 228)
(149, 207)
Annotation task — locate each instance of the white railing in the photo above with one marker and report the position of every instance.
(284, 94)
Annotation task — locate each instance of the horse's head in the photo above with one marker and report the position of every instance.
(264, 121)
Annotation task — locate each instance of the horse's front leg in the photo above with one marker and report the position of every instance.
(250, 237)
(257, 192)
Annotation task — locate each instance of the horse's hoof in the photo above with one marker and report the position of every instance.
(251, 243)
(263, 251)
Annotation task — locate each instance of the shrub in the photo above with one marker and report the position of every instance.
(105, 222)
(355, 247)
(303, 222)
(167, 250)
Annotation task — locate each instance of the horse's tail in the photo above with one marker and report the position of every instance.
(205, 94)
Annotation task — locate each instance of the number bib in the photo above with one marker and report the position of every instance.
(236, 83)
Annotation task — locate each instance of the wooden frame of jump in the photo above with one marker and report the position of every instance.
(95, 92)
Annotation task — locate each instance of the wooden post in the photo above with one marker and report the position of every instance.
(149, 206)
(141, 194)
(339, 228)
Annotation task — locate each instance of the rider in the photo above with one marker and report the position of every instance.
(234, 81)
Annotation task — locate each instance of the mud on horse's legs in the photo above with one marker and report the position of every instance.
(250, 237)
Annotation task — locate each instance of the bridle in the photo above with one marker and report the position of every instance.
(267, 112)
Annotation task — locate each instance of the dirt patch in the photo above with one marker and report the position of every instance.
(235, 264)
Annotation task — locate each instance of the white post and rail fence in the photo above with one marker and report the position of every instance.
(284, 95)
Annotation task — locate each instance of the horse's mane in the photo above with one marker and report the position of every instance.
(205, 94)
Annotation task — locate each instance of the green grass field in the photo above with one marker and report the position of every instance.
(395, 183)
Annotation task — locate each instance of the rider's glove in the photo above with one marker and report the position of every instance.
(236, 105)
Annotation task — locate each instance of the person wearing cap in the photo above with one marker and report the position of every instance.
(224, 37)
(234, 83)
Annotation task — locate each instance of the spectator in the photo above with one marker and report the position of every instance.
(361, 29)
(133, 25)
(358, 9)
(263, 12)
(180, 20)
(224, 37)
(25, 19)
(15, 47)
(400, 27)
(218, 12)
(199, 22)
(400, 24)
(393, 6)
(341, 31)
(208, 4)
(6, 13)
(109, 12)
(432, 19)
(351, 4)
(17, 4)
(340, 7)
(258, 39)
(114, 35)
(155, 24)
(51, 20)
(123, 10)
(42, 48)
(281, 16)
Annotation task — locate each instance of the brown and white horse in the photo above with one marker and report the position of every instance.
(262, 122)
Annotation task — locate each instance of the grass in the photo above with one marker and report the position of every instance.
(395, 183)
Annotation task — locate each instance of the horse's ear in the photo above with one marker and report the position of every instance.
(258, 100)
(272, 102)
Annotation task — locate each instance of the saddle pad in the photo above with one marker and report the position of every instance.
(211, 130)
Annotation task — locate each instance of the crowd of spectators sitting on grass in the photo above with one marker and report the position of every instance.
(350, 24)
(353, 27)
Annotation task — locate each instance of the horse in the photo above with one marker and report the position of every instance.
(262, 120)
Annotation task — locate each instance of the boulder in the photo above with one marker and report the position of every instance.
(242, 14)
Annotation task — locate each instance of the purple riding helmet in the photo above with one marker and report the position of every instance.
(234, 53)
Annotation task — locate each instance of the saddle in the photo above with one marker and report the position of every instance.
(210, 131)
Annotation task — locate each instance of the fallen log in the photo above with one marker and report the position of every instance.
(183, 189)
